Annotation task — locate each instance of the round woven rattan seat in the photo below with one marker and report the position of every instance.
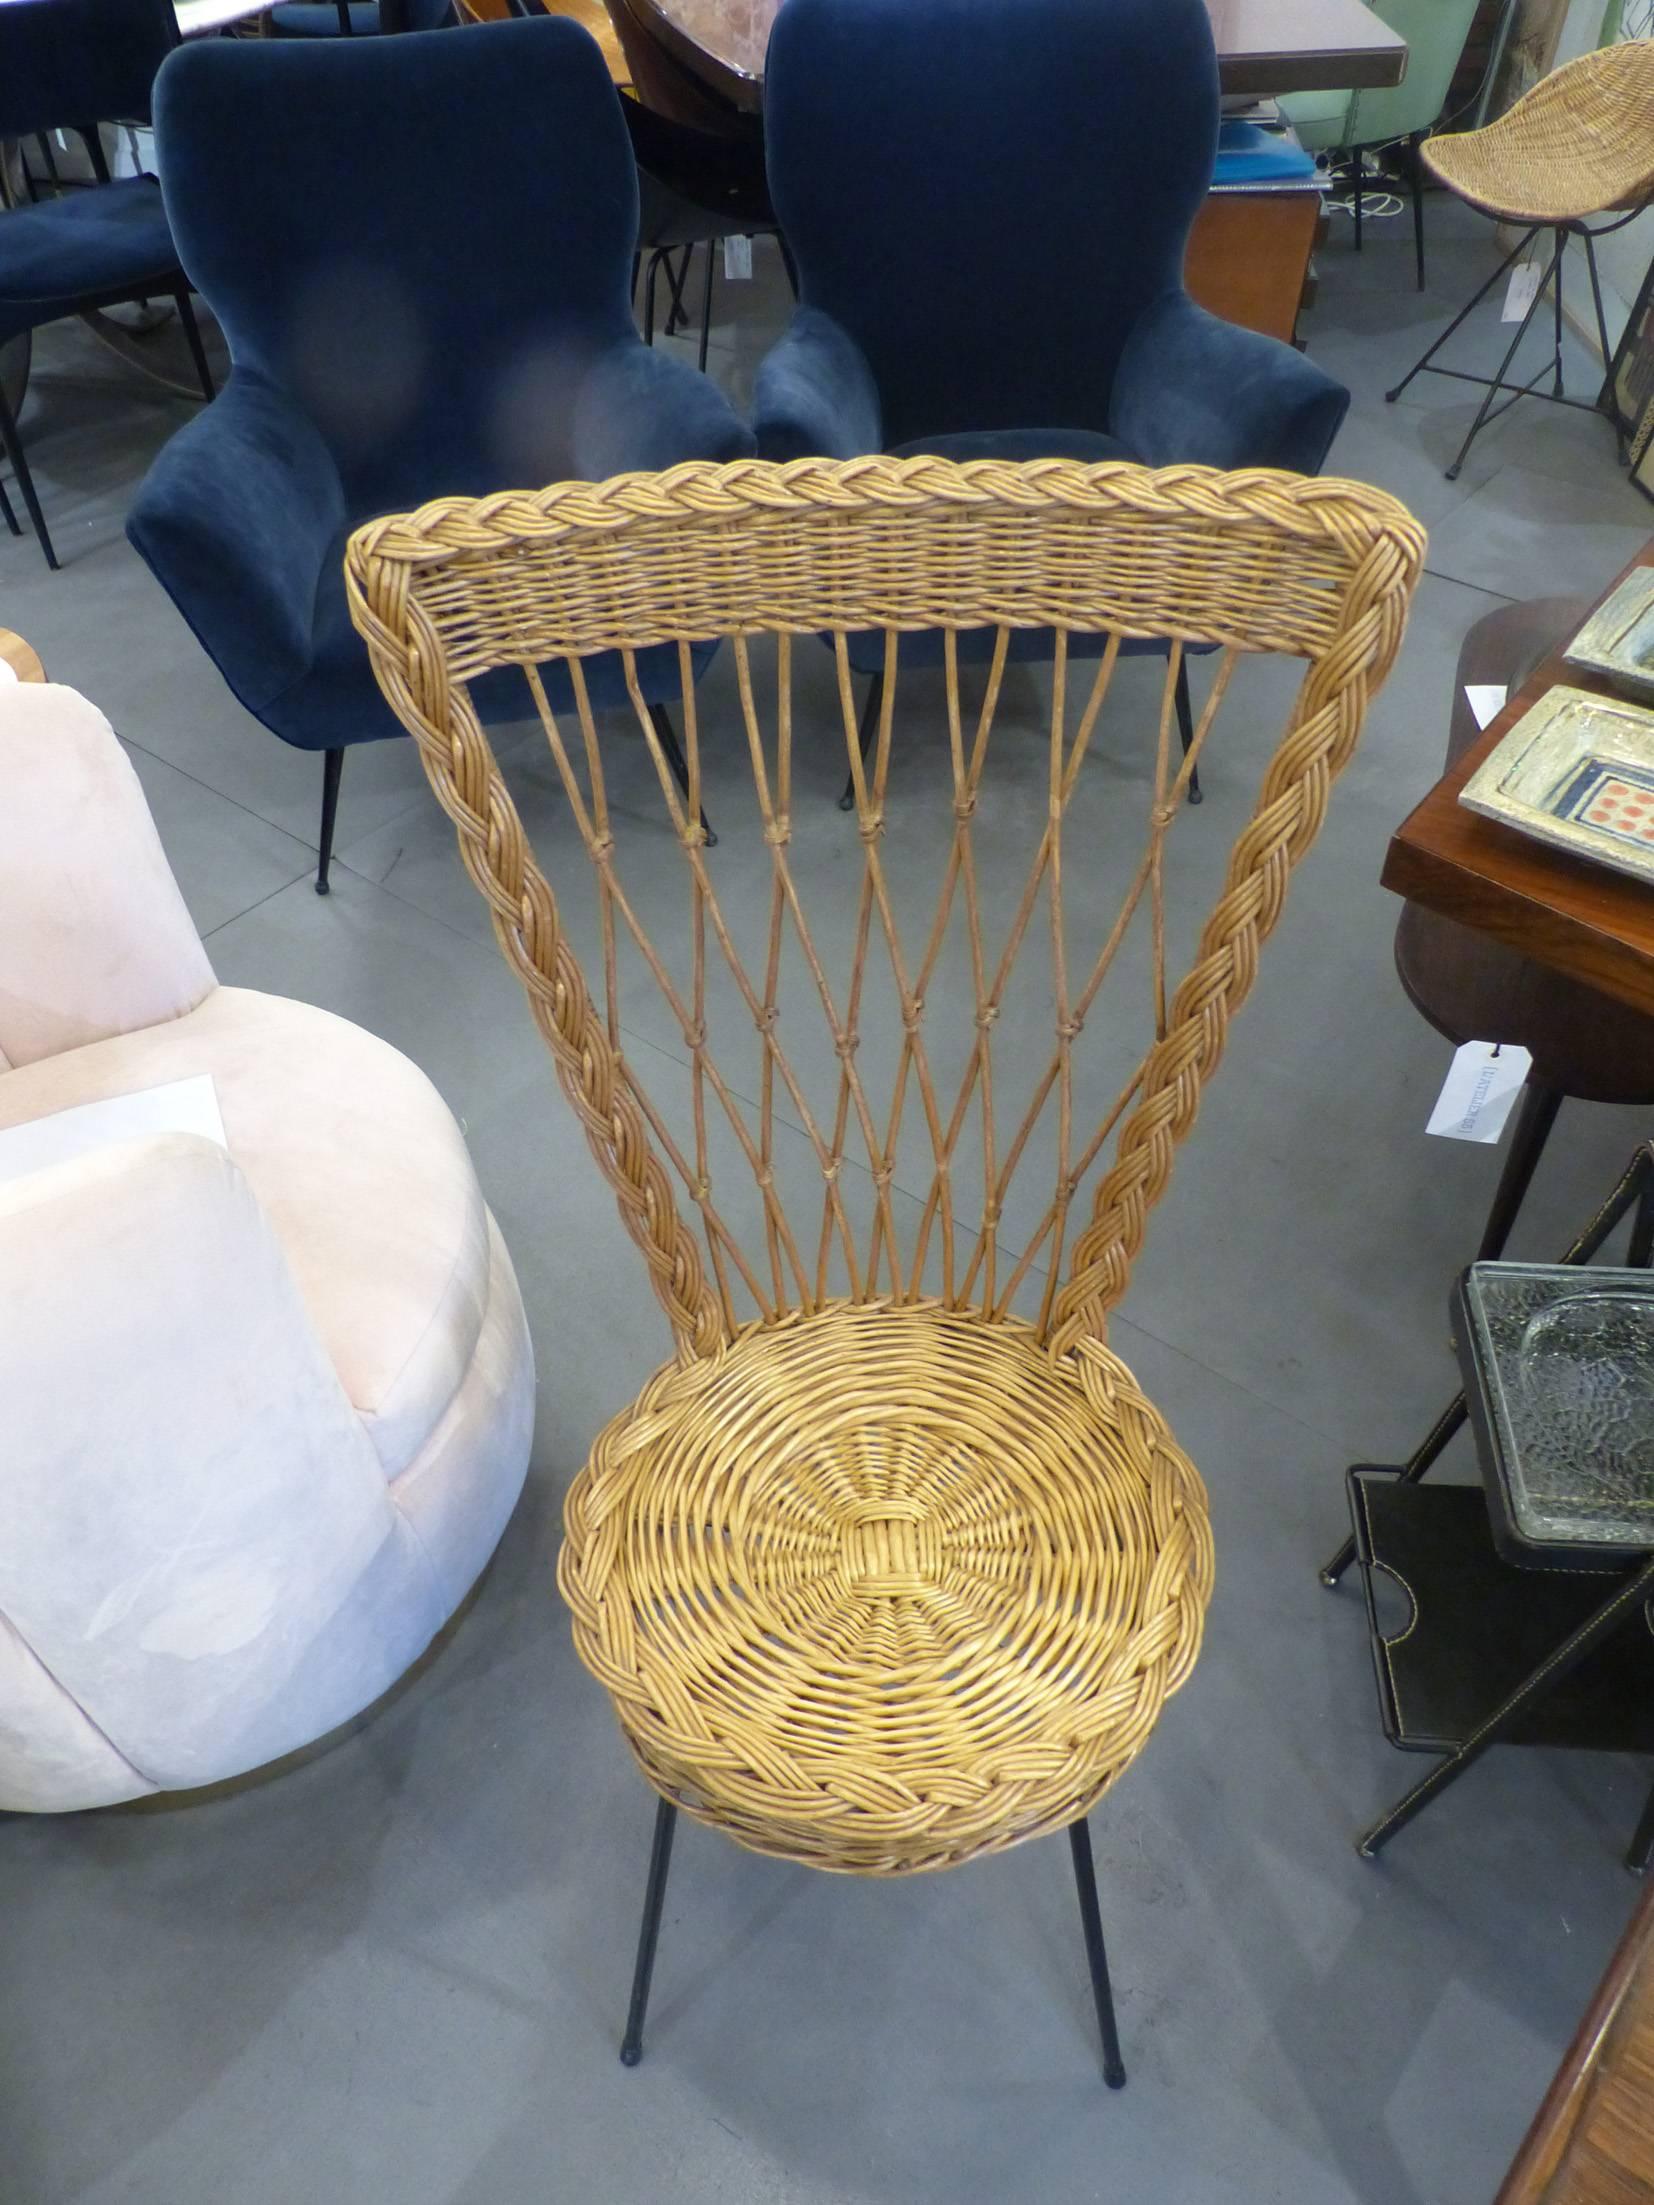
(1580, 143)
(882, 1588)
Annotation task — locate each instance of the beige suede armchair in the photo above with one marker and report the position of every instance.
(264, 1414)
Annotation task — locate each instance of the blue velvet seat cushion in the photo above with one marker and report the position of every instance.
(85, 245)
(866, 648)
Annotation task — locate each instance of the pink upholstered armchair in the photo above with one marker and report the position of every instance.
(264, 1412)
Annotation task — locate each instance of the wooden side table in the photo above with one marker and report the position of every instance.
(21, 657)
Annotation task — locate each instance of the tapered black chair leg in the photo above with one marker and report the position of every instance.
(25, 480)
(706, 299)
(864, 738)
(788, 262)
(192, 334)
(1418, 204)
(332, 766)
(1641, 1849)
(676, 760)
(1535, 1117)
(1085, 1882)
(1186, 726)
(1355, 199)
(11, 519)
(648, 1936)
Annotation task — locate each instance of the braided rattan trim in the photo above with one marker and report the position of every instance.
(1260, 560)
(1581, 142)
(882, 1589)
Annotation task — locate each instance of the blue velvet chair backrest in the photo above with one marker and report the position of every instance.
(987, 193)
(418, 239)
(67, 63)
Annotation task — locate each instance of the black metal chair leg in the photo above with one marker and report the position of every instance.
(1556, 295)
(648, 1936)
(1610, 1617)
(1641, 1849)
(1085, 1882)
(192, 333)
(675, 758)
(706, 300)
(788, 262)
(1418, 203)
(13, 443)
(864, 738)
(1186, 726)
(1355, 194)
(1464, 313)
(649, 297)
(332, 766)
(1534, 1120)
(11, 519)
(1553, 274)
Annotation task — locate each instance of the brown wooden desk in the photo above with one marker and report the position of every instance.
(1591, 923)
(1592, 2140)
(1264, 46)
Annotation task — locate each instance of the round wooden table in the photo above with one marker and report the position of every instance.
(21, 657)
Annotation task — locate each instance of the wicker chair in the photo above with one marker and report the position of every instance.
(893, 1564)
(1581, 143)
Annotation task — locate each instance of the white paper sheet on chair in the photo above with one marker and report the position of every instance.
(181, 1106)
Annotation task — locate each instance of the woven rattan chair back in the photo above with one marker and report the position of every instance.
(1580, 143)
(1248, 563)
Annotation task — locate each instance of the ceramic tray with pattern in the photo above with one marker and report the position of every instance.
(1617, 642)
(1578, 771)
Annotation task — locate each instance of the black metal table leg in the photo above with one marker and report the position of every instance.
(1627, 1594)
(654, 1895)
(1085, 1879)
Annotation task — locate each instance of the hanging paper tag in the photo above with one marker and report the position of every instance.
(737, 258)
(1486, 700)
(1521, 291)
(1482, 1083)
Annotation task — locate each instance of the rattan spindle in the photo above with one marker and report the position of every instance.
(881, 1571)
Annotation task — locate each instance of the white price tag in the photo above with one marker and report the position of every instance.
(737, 258)
(1482, 1083)
(1522, 290)
(1486, 700)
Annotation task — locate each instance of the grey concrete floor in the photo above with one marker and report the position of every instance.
(397, 1971)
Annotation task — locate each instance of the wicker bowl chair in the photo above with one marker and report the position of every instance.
(893, 1564)
(1579, 144)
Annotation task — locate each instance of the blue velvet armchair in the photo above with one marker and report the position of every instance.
(988, 205)
(402, 325)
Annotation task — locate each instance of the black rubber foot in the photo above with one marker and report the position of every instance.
(711, 840)
(322, 888)
(846, 803)
(1390, 396)
(1452, 473)
(630, 2054)
(1115, 2077)
(1197, 795)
